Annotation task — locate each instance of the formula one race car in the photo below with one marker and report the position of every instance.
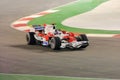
(55, 38)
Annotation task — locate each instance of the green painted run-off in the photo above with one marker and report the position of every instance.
(40, 77)
(67, 11)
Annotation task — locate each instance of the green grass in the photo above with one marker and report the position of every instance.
(37, 77)
(79, 7)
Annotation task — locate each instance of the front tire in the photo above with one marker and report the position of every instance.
(83, 37)
(55, 43)
(30, 38)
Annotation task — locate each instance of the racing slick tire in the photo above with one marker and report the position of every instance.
(55, 43)
(83, 37)
(30, 38)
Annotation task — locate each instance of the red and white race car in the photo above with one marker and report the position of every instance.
(55, 38)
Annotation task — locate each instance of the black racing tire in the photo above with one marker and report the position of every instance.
(55, 43)
(30, 38)
(83, 37)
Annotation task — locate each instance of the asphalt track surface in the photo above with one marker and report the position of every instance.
(100, 59)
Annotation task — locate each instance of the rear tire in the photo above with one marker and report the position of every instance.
(30, 38)
(55, 43)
